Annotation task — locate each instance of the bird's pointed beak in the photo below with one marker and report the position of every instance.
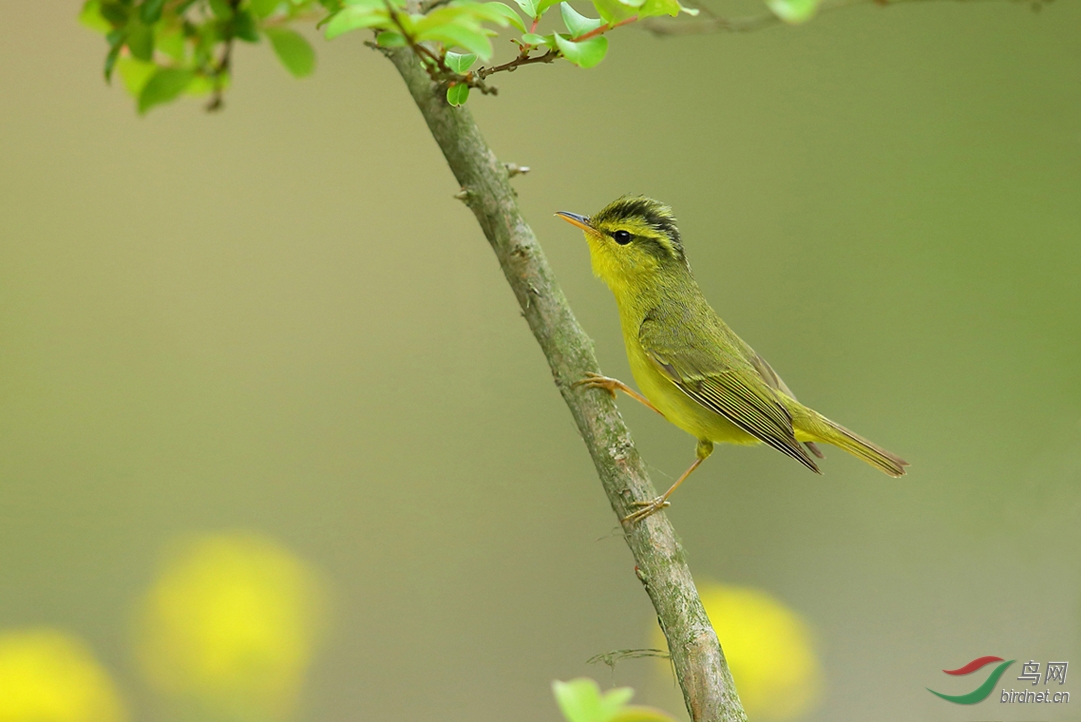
(576, 220)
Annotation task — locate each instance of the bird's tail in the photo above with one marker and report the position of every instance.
(861, 448)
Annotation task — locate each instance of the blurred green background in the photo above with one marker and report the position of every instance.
(277, 322)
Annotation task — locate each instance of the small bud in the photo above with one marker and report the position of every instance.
(514, 169)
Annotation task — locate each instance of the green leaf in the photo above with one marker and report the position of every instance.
(244, 27)
(509, 13)
(264, 8)
(202, 85)
(165, 85)
(115, 13)
(460, 62)
(205, 43)
(793, 11)
(390, 39)
(462, 35)
(135, 74)
(534, 39)
(150, 11)
(352, 18)
(529, 7)
(543, 5)
(170, 41)
(140, 40)
(653, 8)
(490, 12)
(221, 9)
(457, 94)
(584, 54)
(116, 43)
(577, 23)
(581, 700)
(614, 11)
(446, 15)
(294, 52)
(90, 16)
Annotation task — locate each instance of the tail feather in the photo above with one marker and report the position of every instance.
(863, 449)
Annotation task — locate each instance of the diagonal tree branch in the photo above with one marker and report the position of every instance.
(700, 665)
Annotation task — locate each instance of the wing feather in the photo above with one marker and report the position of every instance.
(755, 410)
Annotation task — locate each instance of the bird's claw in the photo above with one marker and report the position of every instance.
(597, 381)
(648, 508)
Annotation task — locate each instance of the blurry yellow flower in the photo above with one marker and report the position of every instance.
(769, 649)
(49, 676)
(232, 624)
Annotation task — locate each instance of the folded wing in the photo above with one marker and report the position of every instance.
(728, 385)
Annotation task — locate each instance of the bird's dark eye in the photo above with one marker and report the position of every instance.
(622, 237)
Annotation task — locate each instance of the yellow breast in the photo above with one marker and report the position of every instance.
(677, 407)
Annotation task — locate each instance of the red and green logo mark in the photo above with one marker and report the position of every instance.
(984, 690)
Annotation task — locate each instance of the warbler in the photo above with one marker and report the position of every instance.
(691, 367)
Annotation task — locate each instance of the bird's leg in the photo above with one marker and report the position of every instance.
(704, 449)
(596, 381)
(652, 507)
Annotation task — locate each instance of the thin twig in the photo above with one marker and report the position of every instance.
(438, 70)
(553, 54)
(435, 63)
(420, 50)
(511, 66)
(611, 658)
(707, 22)
(605, 28)
(222, 67)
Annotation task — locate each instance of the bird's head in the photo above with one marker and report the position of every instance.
(633, 242)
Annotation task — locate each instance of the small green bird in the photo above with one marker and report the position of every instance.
(691, 367)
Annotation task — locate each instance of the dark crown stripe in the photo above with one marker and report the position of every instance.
(653, 213)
